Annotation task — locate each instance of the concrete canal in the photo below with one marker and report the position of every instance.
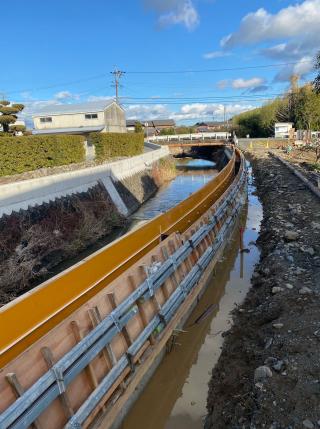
(175, 397)
(195, 173)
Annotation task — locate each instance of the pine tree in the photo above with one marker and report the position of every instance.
(9, 113)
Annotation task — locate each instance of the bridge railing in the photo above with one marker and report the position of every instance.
(194, 136)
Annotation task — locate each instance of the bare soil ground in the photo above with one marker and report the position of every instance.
(303, 160)
(268, 375)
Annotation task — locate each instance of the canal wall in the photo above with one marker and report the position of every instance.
(46, 222)
(21, 195)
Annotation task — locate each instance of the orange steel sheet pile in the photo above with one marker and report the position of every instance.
(46, 323)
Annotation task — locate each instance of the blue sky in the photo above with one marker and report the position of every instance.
(63, 51)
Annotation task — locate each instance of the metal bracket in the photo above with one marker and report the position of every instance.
(184, 291)
(58, 375)
(116, 321)
(199, 265)
(74, 425)
(150, 286)
(191, 243)
(174, 262)
(162, 318)
(130, 361)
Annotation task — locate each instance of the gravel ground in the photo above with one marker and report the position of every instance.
(268, 375)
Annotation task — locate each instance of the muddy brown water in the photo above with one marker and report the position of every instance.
(175, 397)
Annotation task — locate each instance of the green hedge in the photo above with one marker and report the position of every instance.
(27, 153)
(110, 145)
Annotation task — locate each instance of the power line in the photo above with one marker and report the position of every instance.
(197, 102)
(103, 75)
(57, 85)
(240, 97)
(217, 69)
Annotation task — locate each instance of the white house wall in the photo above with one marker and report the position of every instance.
(115, 119)
(70, 120)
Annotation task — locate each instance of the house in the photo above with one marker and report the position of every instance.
(100, 116)
(209, 126)
(154, 127)
(282, 129)
(151, 127)
(130, 124)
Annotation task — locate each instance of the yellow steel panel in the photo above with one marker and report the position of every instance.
(30, 316)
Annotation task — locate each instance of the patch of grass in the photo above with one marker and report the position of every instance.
(315, 166)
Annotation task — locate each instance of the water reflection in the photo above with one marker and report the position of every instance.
(195, 164)
(197, 173)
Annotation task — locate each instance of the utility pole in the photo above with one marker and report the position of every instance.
(224, 114)
(117, 74)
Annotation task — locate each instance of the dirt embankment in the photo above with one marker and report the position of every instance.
(268, 375)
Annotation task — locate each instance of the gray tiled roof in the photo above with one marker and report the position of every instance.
(131, 122)
(89, 107)
(69, 130)
(163, 122)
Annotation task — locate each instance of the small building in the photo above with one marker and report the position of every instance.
(100, 116)
(151, 127)
(282, 130)
(130, 124)
(155, 126)
(209, 126)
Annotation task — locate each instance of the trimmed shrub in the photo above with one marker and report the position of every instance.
(111, 145)
(27, 153)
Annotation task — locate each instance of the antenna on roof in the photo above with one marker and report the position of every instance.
(117, 74)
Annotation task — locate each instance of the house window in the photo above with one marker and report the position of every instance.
(91, 116)
(46, 119)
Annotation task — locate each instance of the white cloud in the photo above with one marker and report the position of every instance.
(296, 28)
(240, 83)
(216, 54)
(293, 21)
(247, 83)
(65, 95)
(301, 68)
(173, 12)
(146, 111)
(188, 112)
(99, 97)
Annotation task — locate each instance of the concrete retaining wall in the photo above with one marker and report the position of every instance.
(28, 193)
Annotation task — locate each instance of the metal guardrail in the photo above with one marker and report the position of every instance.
(193, 136)
(31, 316)
(25, 410)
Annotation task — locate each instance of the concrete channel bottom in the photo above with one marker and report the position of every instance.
(200, 290)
